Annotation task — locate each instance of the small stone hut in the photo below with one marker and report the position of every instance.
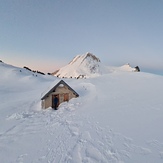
(62, 90)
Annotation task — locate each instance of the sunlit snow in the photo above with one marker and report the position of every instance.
(117, 118)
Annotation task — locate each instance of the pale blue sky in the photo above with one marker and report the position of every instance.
(47, 34)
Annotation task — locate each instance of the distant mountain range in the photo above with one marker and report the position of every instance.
(86, 66)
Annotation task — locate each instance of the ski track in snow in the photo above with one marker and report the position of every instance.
(72, 139)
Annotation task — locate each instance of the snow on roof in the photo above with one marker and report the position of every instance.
(59, 83)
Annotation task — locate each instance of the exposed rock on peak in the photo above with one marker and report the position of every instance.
(92, 56)
(81, 66)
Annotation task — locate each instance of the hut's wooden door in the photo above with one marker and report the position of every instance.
(66, 97)
(53, 100)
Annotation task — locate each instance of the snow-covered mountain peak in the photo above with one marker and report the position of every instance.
(81, 58)
(86, 65)
(91, 56)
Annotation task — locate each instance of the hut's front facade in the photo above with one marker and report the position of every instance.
(62, 90)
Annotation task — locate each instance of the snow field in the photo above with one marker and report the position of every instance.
(117, 119)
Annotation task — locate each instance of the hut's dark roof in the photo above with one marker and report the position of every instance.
(61, 82)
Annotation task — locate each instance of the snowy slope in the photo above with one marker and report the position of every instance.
(117, 119)
(86, 66)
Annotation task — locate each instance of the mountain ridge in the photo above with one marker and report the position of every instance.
(82, 66)
(87, 66)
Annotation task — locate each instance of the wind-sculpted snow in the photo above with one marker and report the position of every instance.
(116, 119)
